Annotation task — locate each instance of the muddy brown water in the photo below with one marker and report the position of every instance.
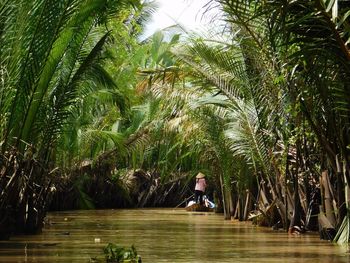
(165, 235)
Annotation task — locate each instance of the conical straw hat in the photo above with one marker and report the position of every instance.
(200, 175)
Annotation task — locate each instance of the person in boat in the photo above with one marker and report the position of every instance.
(199, 189)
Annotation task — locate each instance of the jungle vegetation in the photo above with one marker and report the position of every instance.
(94, 117)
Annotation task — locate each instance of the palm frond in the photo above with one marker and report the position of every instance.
(63, 97)
(42, 29)
(246, 138)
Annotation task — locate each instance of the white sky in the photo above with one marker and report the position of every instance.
(185, 12)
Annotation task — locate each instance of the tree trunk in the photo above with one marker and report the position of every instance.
(247, 206)
(225, 201)
(340, 193)
(328, 199)
(296, 218)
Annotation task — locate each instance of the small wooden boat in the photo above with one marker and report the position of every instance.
(198, 208)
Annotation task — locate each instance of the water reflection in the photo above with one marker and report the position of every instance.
(165, 235)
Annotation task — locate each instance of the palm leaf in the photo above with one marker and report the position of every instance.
(64, 95)
(38, 46)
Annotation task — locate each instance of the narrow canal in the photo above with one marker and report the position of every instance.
(165, 235)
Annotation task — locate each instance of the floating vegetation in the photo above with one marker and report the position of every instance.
(116, 254)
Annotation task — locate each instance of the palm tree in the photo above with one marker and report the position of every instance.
(319, 81)
(50, 50)
(302, 50)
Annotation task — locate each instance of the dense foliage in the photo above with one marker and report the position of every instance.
(260, 104)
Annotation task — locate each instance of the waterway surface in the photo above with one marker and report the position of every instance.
(165, 235)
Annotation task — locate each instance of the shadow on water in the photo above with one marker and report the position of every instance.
(165, 235)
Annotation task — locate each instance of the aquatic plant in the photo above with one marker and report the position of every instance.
(114, 253)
